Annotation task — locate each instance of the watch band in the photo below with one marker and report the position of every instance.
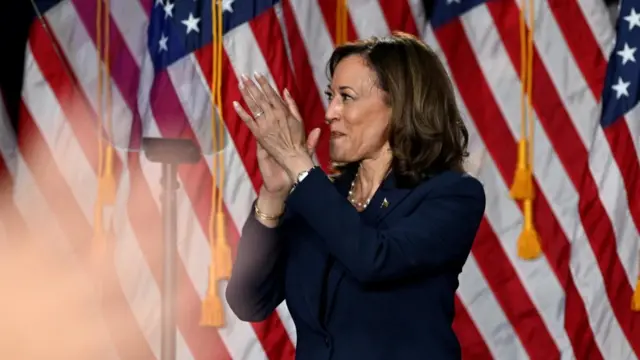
(301, 176)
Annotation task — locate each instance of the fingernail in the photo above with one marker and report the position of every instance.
(286, 93)
(257, 75)
(236, 104)
(245, 77)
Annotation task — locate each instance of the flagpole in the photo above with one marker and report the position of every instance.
(170, 153)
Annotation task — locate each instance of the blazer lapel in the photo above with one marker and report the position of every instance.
(388, 197)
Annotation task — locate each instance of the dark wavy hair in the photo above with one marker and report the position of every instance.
(426, 132)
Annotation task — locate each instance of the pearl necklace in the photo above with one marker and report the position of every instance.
(353, 200)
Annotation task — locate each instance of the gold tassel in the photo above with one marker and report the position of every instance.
(220, 268)
(106, 181)
(98, 245)
(635, 298)
(212, 308)
(222, 250)
(341, 22)
(529, 246)
(528, 242)
(522, 187)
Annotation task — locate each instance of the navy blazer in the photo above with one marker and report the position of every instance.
(377, 284)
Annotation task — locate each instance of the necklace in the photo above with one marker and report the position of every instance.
(352, 199)
(362, 205)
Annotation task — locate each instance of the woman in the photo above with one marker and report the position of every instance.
(368, 263)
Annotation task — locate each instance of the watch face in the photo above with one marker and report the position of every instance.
(302, 175)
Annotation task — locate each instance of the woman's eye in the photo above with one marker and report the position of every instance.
(328, 95)
(345, 97)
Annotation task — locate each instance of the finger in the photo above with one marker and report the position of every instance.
(270, 94)
(251, 124)
(249, 100)
(312, 140)
(257, 94)
(291, 104)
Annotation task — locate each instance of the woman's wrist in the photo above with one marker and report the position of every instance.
(297, 163)
(269, 207)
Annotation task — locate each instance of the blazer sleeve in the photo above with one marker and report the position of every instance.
(439, 232)
(256, 286)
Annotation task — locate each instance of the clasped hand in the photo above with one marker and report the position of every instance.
(276, 125)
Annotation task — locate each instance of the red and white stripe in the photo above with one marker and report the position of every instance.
(571, 303)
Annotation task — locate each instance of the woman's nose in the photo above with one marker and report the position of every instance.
(332, 114)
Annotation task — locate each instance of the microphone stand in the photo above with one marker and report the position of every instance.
(170, 153)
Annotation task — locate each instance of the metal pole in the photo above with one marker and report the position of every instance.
(170, 153)
(169, 255)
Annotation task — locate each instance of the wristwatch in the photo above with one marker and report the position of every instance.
(300, 177)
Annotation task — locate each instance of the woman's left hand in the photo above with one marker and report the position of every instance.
(279, 131)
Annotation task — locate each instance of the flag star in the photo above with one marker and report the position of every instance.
(159, 2)
(633, 19)
(226, 5)
(191, 23)
(627, 54)
(163, 43)
(621, 88)
(168, 9)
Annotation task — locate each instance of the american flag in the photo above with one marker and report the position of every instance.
(573, 302)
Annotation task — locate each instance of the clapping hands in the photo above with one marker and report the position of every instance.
(283, 149)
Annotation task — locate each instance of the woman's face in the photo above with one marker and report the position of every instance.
(357, 114)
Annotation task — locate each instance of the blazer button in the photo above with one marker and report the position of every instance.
(327, 341)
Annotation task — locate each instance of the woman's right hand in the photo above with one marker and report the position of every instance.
(276, 181)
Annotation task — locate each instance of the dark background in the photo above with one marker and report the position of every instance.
(15, 19)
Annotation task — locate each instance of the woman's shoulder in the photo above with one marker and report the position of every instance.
(453, 183)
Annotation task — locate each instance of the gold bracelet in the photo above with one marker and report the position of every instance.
(264, 216)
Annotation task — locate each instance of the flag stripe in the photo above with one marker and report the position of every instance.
(584, 112)
(269, 38)
(271, 332)
(188, 324)
(494, 134)
(471, 342)
(593, 66)
(74, 105)
(482, 306)
(565, 141)
(551, 178)
(399, 17)
(309, 102)
(12, 221)
(328, 11)
(179, 74)
(580, 39)
(477, 97)
(59, 196)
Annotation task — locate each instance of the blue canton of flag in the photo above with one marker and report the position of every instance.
(620, 93)
(445, 11)
(179, 27)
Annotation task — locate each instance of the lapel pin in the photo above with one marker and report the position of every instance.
(385, 203)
